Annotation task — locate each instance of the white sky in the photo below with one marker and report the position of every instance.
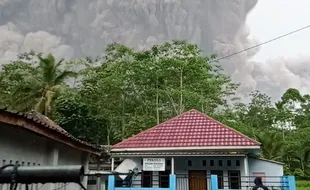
(271, 18)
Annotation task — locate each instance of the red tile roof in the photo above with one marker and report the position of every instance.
(190, 129)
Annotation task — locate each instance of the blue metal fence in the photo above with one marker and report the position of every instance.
(274, 183)
(112, 185)
(282, 183)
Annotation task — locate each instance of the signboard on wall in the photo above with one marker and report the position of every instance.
(154, 164)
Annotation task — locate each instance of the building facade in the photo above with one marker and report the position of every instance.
(193, 147)
(31, 139)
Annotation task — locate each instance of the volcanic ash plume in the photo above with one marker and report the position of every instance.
(277, 75)
(75, 28)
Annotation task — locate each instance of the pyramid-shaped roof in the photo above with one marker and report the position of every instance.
(190, 130)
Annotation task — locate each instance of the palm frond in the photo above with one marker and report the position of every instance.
(47, 66)
(64, 75)
(59, 63)
(57, 89)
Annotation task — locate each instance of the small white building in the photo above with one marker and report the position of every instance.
(32, 139)
(193, 146)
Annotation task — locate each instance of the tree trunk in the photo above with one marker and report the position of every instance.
(181, 109)
(123, 119)
(157, 101)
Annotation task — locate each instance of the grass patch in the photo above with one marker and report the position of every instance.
(303, 185)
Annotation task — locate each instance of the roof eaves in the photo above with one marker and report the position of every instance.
(179, 153)
(266, 160)
(185, 148)
(65, 136)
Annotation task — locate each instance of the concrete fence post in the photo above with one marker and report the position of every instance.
(288, 183)
(284, 183)
(172, 182)
(291, 182)
(214, 183)
(111, 182)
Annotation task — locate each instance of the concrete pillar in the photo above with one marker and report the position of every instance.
(246, 169)
(172, 165)
(246, 166)
(214, 182)
(111, 182)
(291, 183)
(85, 161)
(112, 164)
(173, 182)
(98, 181)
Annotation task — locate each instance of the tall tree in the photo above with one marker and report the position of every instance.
(37, 85)
(72, 113)
(138, 89)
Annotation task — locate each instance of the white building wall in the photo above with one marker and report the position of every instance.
(271, 170)
(182, 168)
(18, 145)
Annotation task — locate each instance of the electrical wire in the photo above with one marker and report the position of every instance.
(260, 44)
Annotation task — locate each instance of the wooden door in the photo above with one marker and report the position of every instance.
(197, 180)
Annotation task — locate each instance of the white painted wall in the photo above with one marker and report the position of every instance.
(27, 148)
(270, 169)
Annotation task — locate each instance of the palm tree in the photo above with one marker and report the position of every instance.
(272, 145)
(37, 91)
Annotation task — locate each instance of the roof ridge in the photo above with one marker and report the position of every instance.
(232, 129)
(142, 132)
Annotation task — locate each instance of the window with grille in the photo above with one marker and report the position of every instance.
(220, 180)
(164, 179)
(147, 179)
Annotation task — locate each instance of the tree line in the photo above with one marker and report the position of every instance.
(123, 91)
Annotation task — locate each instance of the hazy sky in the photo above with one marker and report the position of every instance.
(271, 18)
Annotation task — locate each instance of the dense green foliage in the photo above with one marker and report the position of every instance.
(125, 91)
